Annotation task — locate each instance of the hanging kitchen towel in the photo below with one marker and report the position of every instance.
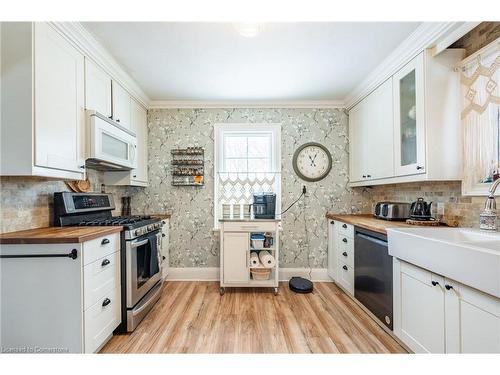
(254, 259)
(153, 264)
(267, 259)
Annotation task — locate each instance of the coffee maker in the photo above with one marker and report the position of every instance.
(264, 205)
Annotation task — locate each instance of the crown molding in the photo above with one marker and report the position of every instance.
(168, 104)
(427, 35)
(92, 49)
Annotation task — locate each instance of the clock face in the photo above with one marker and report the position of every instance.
(312, 162)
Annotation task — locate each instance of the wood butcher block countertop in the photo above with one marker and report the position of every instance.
(369, 222)
(57, 235)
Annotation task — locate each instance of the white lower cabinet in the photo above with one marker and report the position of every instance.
(433, 314)
(71, 305)
(165, 243)
(332, 248)
(236, 257)
(419, 317)
(341, 254)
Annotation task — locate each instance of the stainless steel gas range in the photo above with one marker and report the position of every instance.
(141, 274)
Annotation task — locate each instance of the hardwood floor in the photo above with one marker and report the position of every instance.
(191, 317)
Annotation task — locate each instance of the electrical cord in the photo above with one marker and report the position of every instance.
(301, 195)
(306, 232)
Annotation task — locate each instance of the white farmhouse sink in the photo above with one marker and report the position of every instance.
(469, 256)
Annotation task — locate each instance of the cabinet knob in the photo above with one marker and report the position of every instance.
(344, 226)
(82, 167)
(117, 120)
(105, 262)
(434, 283)
(344, 267)
(448, 287)
(344, 254)
(110, 117)
(344, 240)
(104, 241)
(419, 167)
(163, 235)
(368, 175)
(134, 175)
(106, 302)
(364, 176)
(332, 222)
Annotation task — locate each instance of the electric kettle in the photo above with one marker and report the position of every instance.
(420, 210)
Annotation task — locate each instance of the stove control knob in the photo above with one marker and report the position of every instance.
(137, 232)
(157, 225)
(150, 227)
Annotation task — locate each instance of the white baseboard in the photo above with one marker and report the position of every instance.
(212, 274)
(317, 274)
(193, 274)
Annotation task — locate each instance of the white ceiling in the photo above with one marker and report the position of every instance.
(285, 62)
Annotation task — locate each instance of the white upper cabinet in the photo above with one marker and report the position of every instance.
(412, 120)
(43, 114)
(97, 89)
(59, 101)
(121, 105)
(139, 123)
(371, 136)
(409, 122)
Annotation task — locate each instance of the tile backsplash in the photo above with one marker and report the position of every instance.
(444, 193)
(27, 202)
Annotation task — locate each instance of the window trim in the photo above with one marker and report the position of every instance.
(220, 128)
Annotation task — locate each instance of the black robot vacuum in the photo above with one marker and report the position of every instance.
(300, 285)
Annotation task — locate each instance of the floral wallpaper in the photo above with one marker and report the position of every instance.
(193, 242)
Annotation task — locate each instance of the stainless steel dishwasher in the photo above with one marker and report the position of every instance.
(373, 274)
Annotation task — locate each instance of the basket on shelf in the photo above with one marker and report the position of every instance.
(260, 273)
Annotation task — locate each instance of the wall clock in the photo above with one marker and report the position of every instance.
(312, 161)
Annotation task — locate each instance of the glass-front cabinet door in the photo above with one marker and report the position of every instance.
(409, 121)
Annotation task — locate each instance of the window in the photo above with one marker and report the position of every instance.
(247, 161)
(247, 152)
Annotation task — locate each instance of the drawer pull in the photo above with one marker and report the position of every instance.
(105, 262)
(344, 240)
(344, 254)
(106, 302)
(344, 267)
(448, 287)
(434, 283)
(344, 226)
(104, 241)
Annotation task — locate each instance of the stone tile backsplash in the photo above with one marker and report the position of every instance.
(27, 202)
(445, 193)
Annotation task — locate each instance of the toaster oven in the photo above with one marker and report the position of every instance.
(392, 210)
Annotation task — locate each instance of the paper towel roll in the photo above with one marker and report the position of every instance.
(254, 259)
(267, 259)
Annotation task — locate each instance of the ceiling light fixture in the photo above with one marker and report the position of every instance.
(248, 29)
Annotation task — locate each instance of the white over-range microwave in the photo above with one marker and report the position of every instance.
(112, 147)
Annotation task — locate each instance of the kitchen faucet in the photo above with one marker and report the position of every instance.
(488, 218)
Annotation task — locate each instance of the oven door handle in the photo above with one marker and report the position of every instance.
(135, 244)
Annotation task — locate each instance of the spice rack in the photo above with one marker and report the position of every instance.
(188, 166)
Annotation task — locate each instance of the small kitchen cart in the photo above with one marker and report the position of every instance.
(235, 249)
